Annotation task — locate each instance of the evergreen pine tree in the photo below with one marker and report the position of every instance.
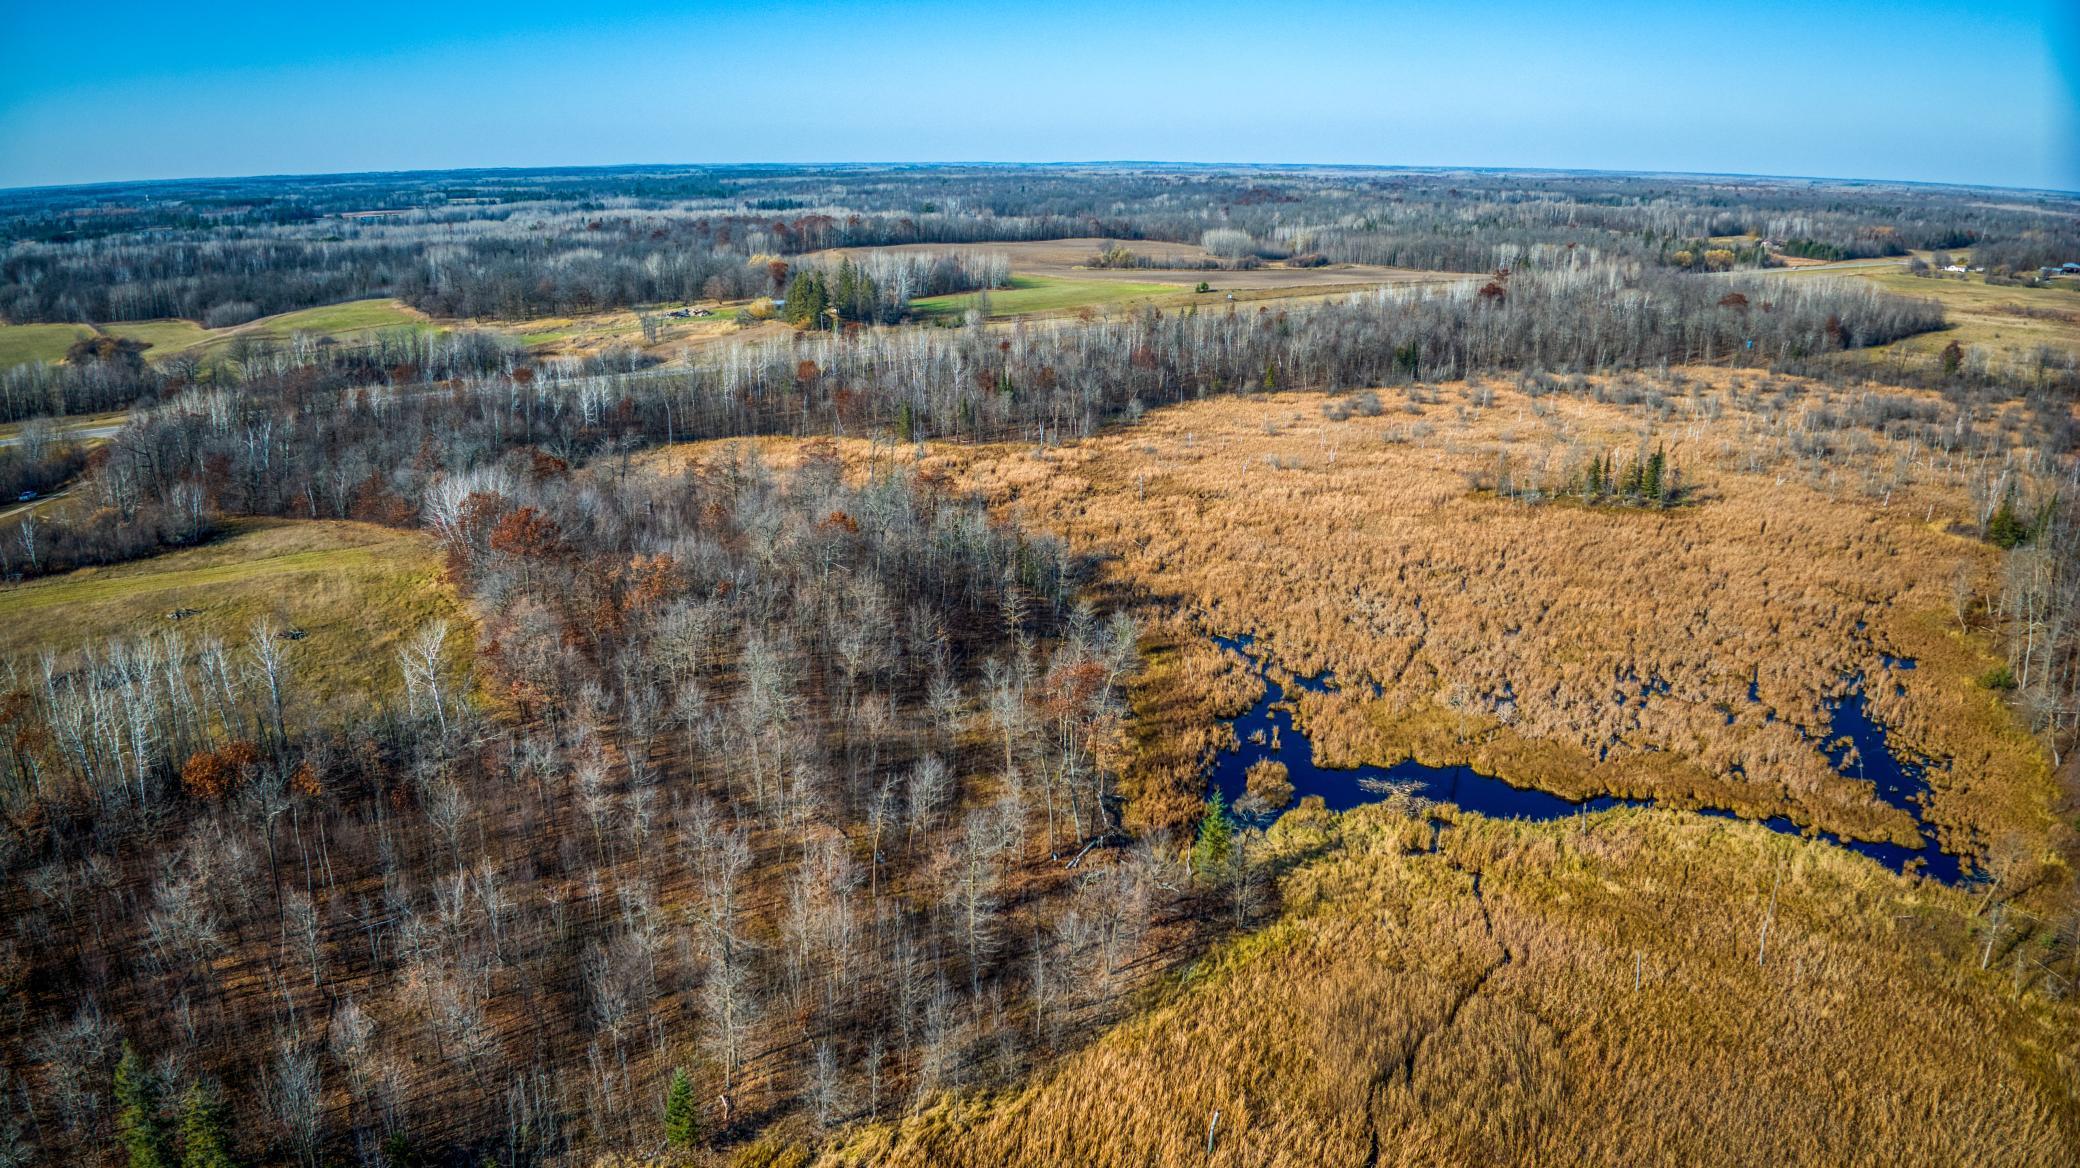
(1656, 464)
(682, 1121)
(807, 297)
(869, 299)
(2006, 529)
(138, 1124)
(797, 297)
(1216, 835)
(204, 1142)
(845, 289)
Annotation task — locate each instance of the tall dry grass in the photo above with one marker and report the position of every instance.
(1581, 992)
(1578, 649)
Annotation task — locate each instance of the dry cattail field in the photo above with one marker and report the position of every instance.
(1675, 653)
(1683, 654)
(1639, 987)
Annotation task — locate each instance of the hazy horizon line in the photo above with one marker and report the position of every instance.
(1435, 168)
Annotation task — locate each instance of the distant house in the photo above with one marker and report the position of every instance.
(1955, 268)
(2069, 269)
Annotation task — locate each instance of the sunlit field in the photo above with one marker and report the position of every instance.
(351, 593)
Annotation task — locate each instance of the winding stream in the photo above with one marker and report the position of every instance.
(1266, 731)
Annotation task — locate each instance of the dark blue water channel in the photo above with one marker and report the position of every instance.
(1855, 746)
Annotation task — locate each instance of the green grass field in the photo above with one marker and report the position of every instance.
(2007, 320)
(340, 321)
(356, 589)
(354, 316)
(23, 343)
(164, 336)
(1033, 294)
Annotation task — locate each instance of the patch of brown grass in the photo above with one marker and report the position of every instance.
(1585, 992)
(1580, 650)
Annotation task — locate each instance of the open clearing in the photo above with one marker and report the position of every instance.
(1070, 259)
(2006, 324)
(354, 588)
(584, 333)
(352, 319)
(1042, 296)
(167, 337)
(23, 343)
(1053, 277)
(2012, 319)
(1038, 294)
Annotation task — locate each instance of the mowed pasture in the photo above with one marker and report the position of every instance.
(167, 337)
(1048, 296)
(21, 344)
(355, 590)
(1054, 277)
(1036, 295)
(340, 322)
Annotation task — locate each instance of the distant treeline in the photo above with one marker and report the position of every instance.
(347, 435)
(511, 244)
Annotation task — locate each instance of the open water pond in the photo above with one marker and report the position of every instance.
(1855, 745)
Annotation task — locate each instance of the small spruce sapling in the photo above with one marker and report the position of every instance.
(682, 1125)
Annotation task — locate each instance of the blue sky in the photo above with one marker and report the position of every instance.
(1960, 92)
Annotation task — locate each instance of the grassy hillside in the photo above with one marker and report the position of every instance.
(23, 343)
(337, 320)
(355, 589)
(166, 337)
(48, 342)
